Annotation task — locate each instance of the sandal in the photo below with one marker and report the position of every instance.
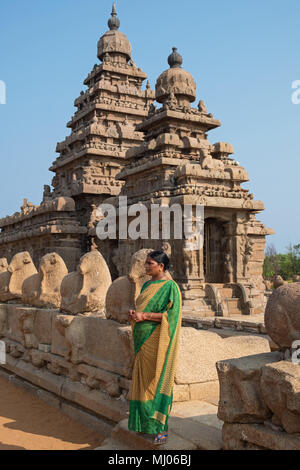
(160, 438)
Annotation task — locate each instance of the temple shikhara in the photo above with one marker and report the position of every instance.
(65, 293)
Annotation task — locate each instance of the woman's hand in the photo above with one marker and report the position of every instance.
(139, 317)
(136, 316)
(131, 315)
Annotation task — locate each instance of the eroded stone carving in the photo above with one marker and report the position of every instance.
(3, 265)
(85, 290)
(123, 292)
(20, 268)
(280, 386)
(278, 282)
(282, 315)
(43, 289)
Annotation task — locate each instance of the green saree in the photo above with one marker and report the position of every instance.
(156, 350)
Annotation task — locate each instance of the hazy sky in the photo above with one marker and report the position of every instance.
(244, 56)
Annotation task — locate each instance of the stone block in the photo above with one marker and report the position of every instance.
(49, 398)
(181, 393)
(41, 378)
(257, 437)
(108, 380)
(45, 348)
(200, 435)
(3, 319)
(95, 401)
(100, 425)
(209, 391)
(282, 315)
(58, 341)
(14, 330)
(240, 394)
(280, 387)
(204, 348)
(98, 342)
(42, 327)
(30, 388)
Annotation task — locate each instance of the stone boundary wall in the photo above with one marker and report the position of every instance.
(259, 403)
(88, 359)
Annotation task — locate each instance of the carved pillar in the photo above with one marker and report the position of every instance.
(240, 246)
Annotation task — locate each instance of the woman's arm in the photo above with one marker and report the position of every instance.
(144, 316)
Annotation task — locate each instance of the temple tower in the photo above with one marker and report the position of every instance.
(177, 165)
(102, 129)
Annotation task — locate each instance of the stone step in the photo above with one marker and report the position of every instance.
(192, 425)
(226, 292)
(199, 309)
(139, 441)
(197, 421)
(234, 311)
(113, 444)
(197, 304)
(233, 302)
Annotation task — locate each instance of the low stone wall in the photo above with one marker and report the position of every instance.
(88, 359)
(260, 402)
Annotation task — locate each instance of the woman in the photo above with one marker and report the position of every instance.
(156, 326)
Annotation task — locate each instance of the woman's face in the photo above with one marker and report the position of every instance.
(152, 267)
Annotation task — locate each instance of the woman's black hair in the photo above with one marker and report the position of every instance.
(161, 258)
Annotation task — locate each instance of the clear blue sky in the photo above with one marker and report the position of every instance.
(244, 56)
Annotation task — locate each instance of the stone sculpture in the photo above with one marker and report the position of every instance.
(3, 265)
(282, 315)
(268, 284)
(43, 289)
(20, 268)
(228, 267)
(122, 293)
(278, 282)
(85, 290)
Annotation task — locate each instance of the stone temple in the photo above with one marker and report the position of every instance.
(122, 144)
(65, 292)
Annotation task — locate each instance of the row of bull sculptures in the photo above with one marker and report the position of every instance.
(88, 289)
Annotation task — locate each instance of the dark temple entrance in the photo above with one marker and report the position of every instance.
(213, 251)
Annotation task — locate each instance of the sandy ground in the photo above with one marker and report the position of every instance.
(27, 423)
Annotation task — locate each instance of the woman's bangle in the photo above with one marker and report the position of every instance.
(143, 317)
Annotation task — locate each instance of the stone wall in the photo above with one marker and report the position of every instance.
(260, 394)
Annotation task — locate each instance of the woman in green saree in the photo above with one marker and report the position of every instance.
(156, 326)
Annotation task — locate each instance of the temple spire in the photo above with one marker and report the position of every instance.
(114, 22)
(175, 59)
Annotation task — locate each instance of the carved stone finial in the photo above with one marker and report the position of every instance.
(114, 22)
(175, 59)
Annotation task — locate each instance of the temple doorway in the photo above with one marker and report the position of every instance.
(213, 251)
